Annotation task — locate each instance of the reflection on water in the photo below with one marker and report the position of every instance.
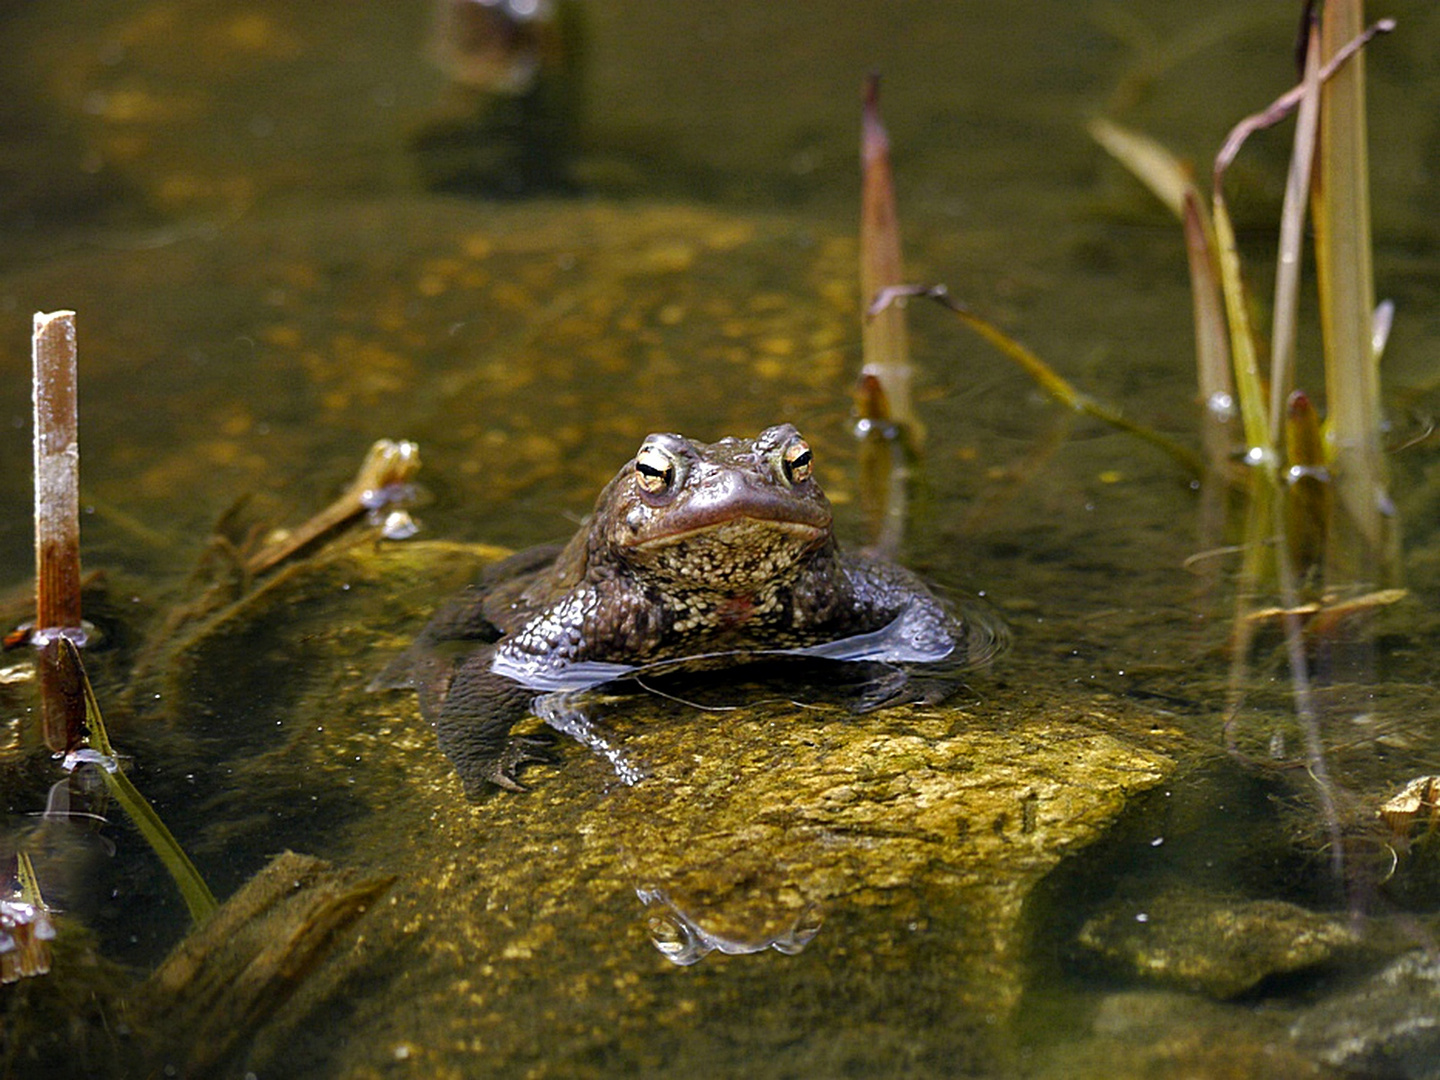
(270, 284)
(683, 941)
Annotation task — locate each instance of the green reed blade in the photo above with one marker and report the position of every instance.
(1243, 349)
(1212, 345)
(1341, 211)
(197, 895)
(1147, 160)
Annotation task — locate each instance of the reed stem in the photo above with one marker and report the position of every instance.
(1363, 533)
(57, 525)
(57, 474)
(885, 345)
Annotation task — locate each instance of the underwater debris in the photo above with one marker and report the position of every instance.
(25, 928)
(383, 481)
(220, 984)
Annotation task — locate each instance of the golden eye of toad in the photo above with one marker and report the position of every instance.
(798, 461)
(654, 470)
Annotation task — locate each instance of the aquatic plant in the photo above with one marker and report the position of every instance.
(1319, 528)
(1361, 532)
(890, 432)
(72, 722)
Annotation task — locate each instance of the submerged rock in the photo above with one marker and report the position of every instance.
(1155, 1033)
(1389, 1025)
(900, 845)
(1218, 946)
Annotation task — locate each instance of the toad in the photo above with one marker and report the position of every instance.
(695, 554)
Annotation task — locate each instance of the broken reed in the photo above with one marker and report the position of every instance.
(57, 522)
(57, 473)
(886, 424)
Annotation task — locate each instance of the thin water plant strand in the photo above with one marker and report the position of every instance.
(197, 895)
(1046, 377)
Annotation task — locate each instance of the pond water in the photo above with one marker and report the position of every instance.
(288, 234)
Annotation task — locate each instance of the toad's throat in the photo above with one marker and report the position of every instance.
(736, 530)
(732, 557)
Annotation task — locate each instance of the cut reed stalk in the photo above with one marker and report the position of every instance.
(57, 474)
(888, 428)
(885, 345)
(57, 525)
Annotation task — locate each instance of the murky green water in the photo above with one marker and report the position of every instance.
(234, 200)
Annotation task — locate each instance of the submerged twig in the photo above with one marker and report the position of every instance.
(229, 976)
(384, 478)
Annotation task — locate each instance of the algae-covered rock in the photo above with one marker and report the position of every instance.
(1216, 945)
(892, 851)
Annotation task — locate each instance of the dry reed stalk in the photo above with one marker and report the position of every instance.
(1285, 314)
(889, 430)
(57, 525)
(885, 344)
(57, 474)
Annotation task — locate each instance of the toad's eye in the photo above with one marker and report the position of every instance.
(798, 462)
(654, 469)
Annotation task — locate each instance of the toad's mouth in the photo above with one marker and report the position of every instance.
(736, 529)
(737, 556)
